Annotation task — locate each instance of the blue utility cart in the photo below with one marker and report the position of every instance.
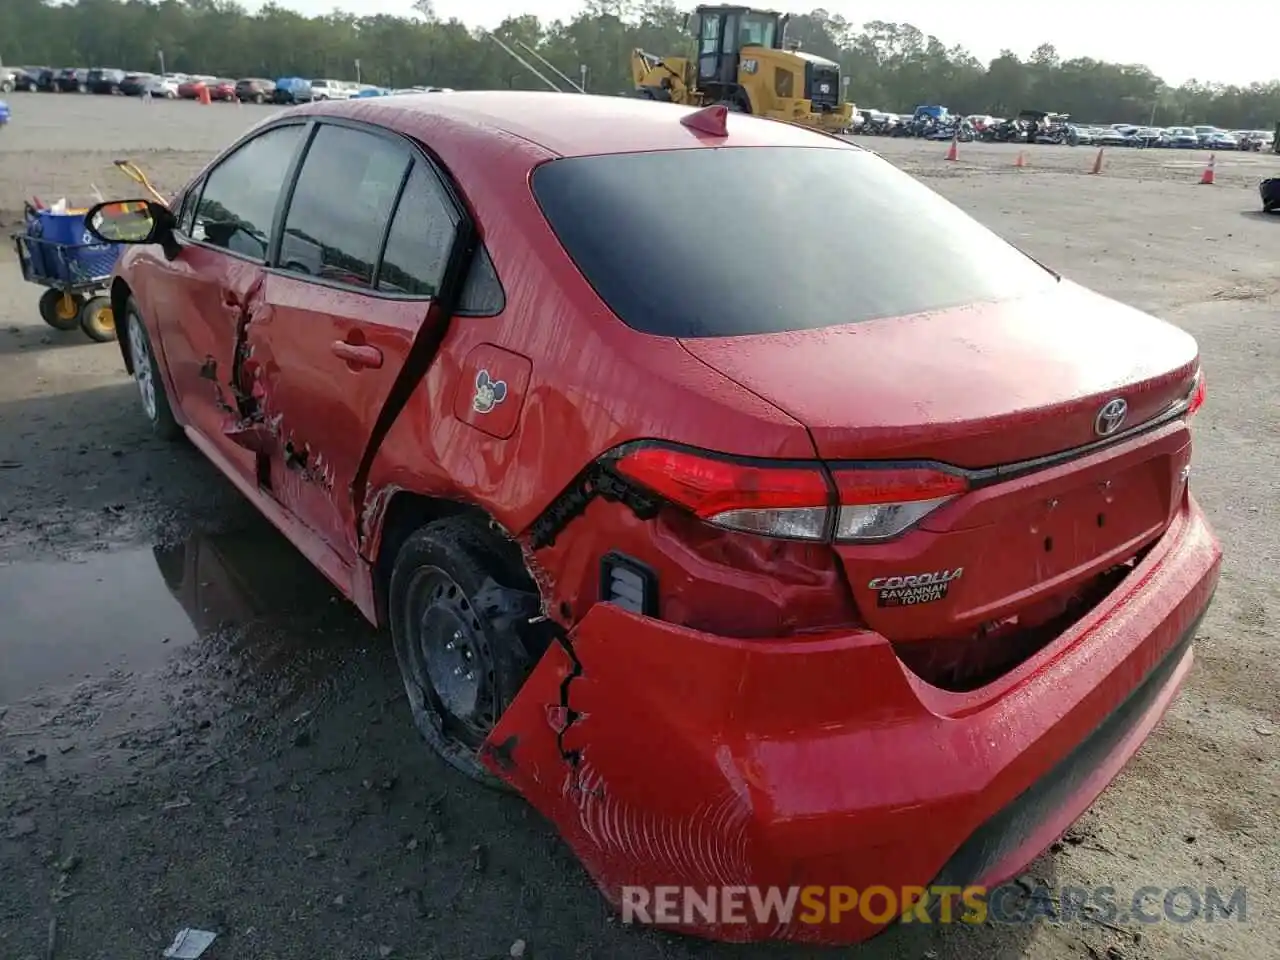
(57, 252)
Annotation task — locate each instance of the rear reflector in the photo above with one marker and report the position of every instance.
(629, 584)
(793, 501)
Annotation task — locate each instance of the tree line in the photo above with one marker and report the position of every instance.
(892, 66)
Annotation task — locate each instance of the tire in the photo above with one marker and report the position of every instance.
(441, 626)
(61, 310)
(6, 86)
(259, 99)
(146, 374)
(97, 320)
(170, 95)
(82, 88)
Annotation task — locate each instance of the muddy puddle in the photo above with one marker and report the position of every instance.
(131, 647)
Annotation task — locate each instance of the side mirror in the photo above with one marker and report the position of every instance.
(134, 221)
(128, 221)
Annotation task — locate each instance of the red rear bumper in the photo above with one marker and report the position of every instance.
(690, 760)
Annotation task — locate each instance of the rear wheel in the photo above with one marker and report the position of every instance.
(61, 310)
(97, 320)
(146, 374)
(460, 655)
(259, 98)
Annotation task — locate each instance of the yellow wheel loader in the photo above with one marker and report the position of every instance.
(744, 62)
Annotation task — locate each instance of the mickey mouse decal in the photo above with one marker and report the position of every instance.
(489, 392)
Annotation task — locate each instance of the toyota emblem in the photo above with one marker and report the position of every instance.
(1110, 417)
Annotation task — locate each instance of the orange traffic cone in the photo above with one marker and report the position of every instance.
(1021, 160)
(953, 152)
(203, 96)
(1097, 163)
(1206, 178)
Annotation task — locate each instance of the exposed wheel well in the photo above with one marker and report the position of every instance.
(408, 512)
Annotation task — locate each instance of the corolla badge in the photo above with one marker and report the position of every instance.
(489, 392)
(1110, 417)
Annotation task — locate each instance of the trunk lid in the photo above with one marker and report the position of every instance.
(977, 386)
(982, 387)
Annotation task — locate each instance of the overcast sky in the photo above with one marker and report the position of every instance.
(1230, 41)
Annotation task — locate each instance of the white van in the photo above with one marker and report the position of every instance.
(330, 90)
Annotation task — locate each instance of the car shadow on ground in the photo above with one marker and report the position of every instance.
(22, 339)
(1273, 217)
(268, 783)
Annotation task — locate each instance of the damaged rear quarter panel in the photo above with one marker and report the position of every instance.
(593, 383)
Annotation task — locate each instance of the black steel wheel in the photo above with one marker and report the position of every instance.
(458, 601)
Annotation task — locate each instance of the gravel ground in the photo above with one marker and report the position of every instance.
(194, 731)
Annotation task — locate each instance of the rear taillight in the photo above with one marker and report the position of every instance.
(793, 501)
(880, 503)
(1196, 395)
(776, 501)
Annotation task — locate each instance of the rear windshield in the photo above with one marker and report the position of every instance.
(733, 241)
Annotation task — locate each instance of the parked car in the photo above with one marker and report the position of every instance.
(72, 80)
(223, 90)
(46, 80)
(1183, 138)
(331, 90)
(872, 590)
(1219, 140)
(1119, 137)
(164, 87)
(26, 79)
(255, 90)
(1150, 137)
(106, 80)
(365, 92)
(292, 90)
(1257, 141)
(135, 84)
(189, 89)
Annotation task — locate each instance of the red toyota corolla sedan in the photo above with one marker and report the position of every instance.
(751, 510)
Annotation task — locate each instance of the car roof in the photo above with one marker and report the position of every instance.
(567, 124)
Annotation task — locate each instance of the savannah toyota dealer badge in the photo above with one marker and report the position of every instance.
(914, 589)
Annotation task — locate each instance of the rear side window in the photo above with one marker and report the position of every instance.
(238, 204)
(752, 240)
(418, 248)
(420, 239)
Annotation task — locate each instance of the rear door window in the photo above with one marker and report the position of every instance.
(753, 240)
(238, 204)
(344, 199)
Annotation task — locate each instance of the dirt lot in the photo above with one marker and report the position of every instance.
(194, 731)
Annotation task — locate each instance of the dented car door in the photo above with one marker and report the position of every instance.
(365, 241)
(213, 286)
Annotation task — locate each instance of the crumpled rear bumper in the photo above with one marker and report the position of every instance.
(672, 758)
